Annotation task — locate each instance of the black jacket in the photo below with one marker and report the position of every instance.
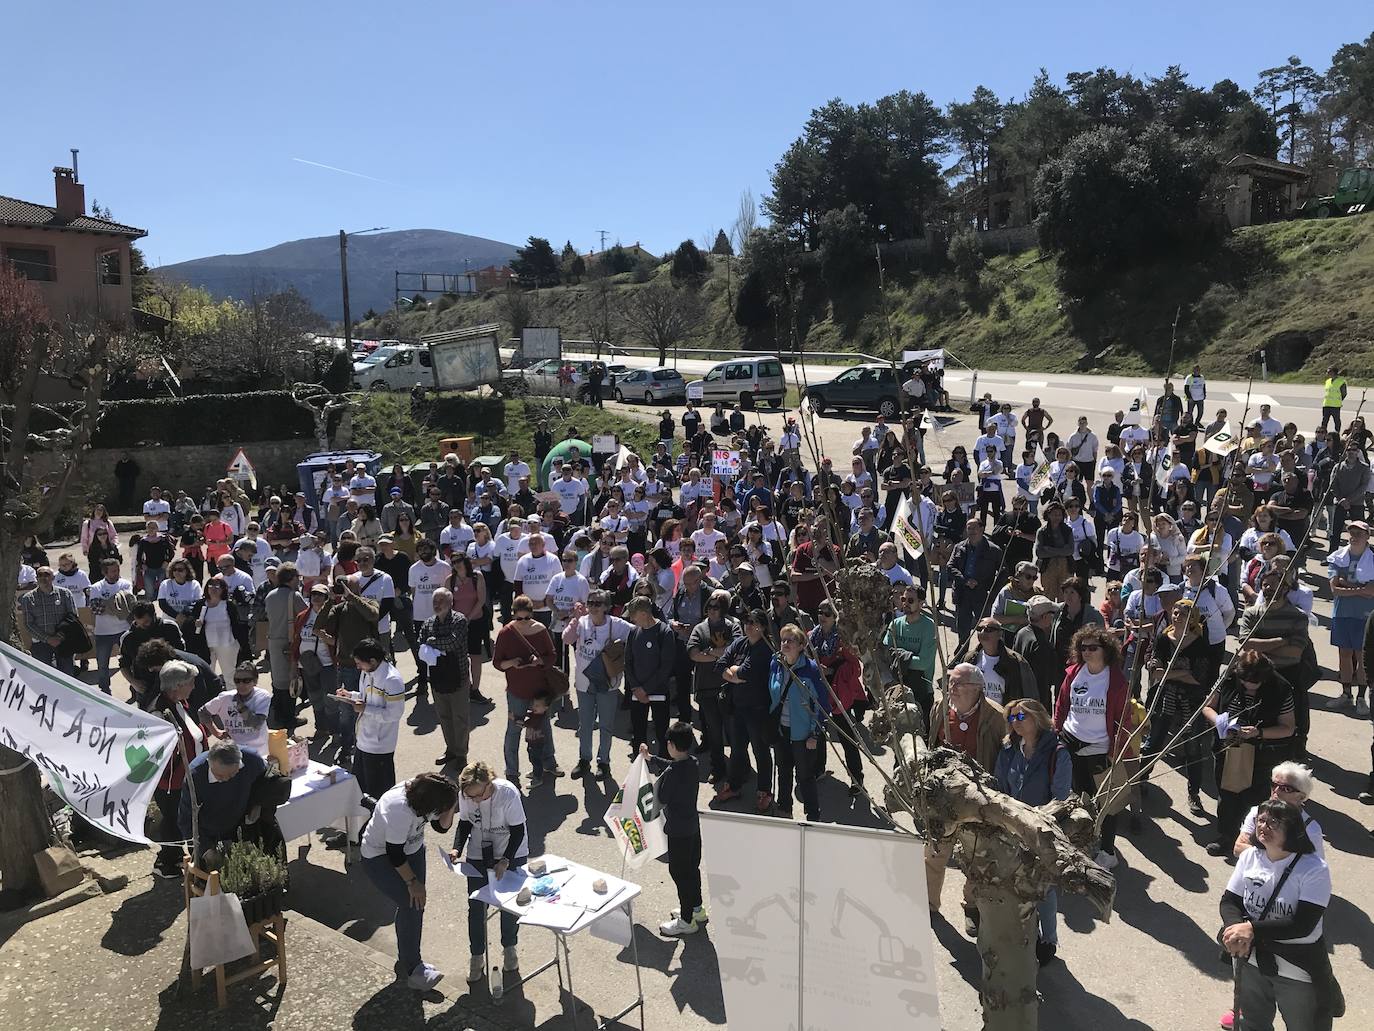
(987, 559)
(650, 657)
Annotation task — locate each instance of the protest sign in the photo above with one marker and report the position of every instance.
(635, 819)
(101, 756)
(725, 463)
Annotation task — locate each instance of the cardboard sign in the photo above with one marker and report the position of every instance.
(605, 443)
(696, 391)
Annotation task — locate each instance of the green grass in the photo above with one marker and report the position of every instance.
(387, 423)
(1310, 278)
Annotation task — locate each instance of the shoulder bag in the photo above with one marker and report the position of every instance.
(555, 680)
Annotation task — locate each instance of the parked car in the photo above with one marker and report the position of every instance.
(405, 367)
(872, 388)
(650, 385)
(542, 378)
(746, 380)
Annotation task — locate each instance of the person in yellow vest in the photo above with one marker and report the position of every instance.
(1195, 391)
(1332, 396)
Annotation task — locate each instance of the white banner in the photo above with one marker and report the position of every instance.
(1222, 442)
(637, 824)
(906, 529)
(831, 932)
(101, 756)
(935, 357)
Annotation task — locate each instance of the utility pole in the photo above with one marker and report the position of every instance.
(603, 233)
(343, 271)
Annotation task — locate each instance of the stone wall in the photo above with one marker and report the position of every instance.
(191, 469)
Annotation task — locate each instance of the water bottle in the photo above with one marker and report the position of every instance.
(497, 984)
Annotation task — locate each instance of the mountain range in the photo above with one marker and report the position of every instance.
(312, 267)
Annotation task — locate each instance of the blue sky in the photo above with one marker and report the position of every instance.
(505, 120)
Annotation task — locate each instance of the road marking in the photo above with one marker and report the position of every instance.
(1033, 383)
(1119, 389)
(1256, 399)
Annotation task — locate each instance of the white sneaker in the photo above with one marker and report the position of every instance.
(423, 977)
(676, 927)
(510, 960)
(1106, 860)
(477, 970)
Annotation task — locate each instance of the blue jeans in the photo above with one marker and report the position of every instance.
(596, 708)
(1049, 917)
(152, 578)
(105, 646)
(410, 922)
(477, 918)
(47, 654)
(517, 707)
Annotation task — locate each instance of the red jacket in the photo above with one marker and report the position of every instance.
(1118, 707)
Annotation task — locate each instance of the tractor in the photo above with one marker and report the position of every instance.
(1354, 195)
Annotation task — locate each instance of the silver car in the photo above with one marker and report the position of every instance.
(651, 385)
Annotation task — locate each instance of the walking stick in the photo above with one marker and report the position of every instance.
(1237, 966)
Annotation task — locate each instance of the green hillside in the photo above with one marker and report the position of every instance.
(1303, 290)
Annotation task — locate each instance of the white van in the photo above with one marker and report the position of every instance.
(750, 381)
(401, 369)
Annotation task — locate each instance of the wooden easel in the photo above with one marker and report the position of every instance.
(198, 883)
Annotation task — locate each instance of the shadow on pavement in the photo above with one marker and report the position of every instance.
(347, 902)
(140, 922)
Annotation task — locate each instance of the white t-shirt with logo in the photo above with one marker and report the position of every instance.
(535, 574)
(310, 641)
(423, 582)
(363, 488)
(1087, 719)
(456, 538)
(102, 592)
(994, 684)
(508, 552)
(564, 592)
(157, 511)
(491, 821)
(513, 471)
(262, 551)
(570, 493)
(393, 822)
(235, 718)
(1254, 880)
(77, 582)
(179, 597)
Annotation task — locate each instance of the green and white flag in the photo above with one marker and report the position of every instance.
(635, 818)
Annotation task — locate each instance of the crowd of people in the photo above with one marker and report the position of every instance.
(1079, 608)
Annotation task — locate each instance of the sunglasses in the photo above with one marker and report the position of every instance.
(1016, 717)
(1090, 647)
(1286, 789)
(245, 680)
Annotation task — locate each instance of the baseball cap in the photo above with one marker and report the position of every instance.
(395, 492)
(319, 589)
(273, 562)
(745, 567)
(1039, 605)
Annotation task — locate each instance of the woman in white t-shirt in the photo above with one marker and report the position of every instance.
(177, 595)
(71, 576)
(588, 633)
(216, 622)
(1123, 546)
(491, 831)
(1288, 782)
(1093, 718)
(393, 853)
(1272, 914)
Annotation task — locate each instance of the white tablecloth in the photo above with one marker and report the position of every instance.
(315, 806)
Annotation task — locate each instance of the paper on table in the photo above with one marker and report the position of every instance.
(579, 892)
(552, 914)
(501, 893)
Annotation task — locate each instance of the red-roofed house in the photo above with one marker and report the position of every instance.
(80, 263)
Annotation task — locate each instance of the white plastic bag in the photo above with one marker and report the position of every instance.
(219, 933)
(429, 655)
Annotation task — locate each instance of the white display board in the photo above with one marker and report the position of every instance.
(466, 364)
(540, 342)
(831, 932)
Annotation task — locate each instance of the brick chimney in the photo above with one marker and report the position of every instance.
(71, 195)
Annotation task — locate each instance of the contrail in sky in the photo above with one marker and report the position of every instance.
(345, 171)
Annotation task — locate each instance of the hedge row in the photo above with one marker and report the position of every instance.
(197, 419)
(463, 413)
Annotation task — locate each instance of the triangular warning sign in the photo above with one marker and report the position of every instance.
(242, 469)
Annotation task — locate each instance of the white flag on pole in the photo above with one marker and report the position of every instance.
(906, 529)
(1040, 478)
(1139, 412)
(1222, 442)
(635, 819)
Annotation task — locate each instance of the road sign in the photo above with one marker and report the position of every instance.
(242, 470)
